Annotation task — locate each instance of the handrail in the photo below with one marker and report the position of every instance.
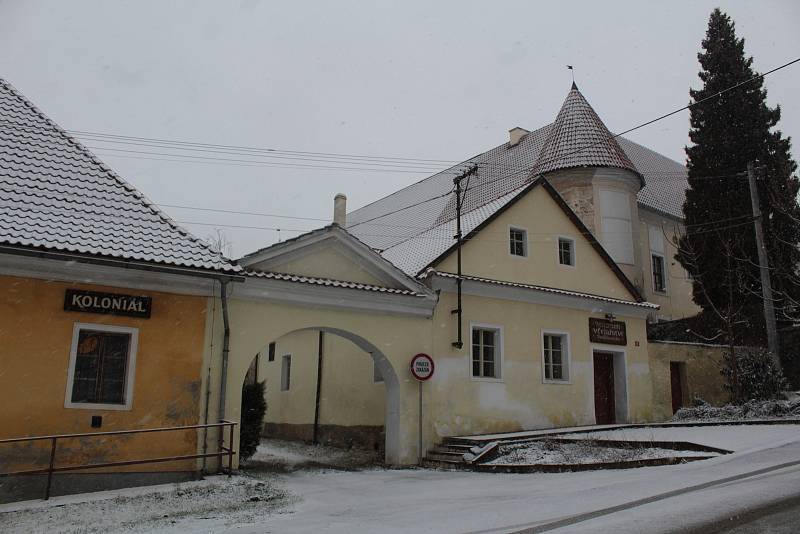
(117, 432)
(53, 438)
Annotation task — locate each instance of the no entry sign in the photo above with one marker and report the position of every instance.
(422, 367)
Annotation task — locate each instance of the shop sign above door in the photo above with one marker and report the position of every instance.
(608, 332)
(107, 303)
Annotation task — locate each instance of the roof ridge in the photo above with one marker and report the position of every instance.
(124, 183)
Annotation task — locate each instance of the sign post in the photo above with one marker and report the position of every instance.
(421, 369)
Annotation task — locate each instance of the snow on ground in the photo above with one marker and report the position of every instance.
(282, 456)
(220, 502)
(765, 467)
(553, 452)
(730, 437)
(769, 409)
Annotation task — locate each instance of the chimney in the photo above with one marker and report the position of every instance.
(340, 209)
(515, 135)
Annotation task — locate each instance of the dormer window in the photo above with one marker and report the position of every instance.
(566, 251)
(518, 242)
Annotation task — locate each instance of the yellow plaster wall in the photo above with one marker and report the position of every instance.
(487, 254)
(35, 341)
(703, 378)
(461, 404)
(325, 262)
(677, 302)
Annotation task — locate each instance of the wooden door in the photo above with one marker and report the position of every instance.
(604, 408)
(676, 384)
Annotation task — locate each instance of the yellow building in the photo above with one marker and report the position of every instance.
(103, 309)
(566, 228)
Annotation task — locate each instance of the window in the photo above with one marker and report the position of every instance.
(286, 372)
(486, 352)
(101, 367)
(566, 251)
(659, 280)
(271, 353)
(555, 349)
(616, 226)
(376, 374)
(656, 237)
(518, 242)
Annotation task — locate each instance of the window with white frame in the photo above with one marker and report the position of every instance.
(486, 347)
(286, 372)
(566, 251)
(657, 252)
(518, 242)
(555, 356)
(616, 225)
(102, 360)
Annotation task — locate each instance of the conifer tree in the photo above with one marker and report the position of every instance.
(726, 133)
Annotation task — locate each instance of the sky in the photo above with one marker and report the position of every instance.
(410, 79)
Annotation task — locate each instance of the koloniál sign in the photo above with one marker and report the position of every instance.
(606, 331)
(422, 367)
(107, 303)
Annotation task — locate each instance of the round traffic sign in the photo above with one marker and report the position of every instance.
(422, 367)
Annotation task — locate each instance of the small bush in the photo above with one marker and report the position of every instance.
(254, 407)
(757, 377)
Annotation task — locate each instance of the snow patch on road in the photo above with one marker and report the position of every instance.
(552, 452)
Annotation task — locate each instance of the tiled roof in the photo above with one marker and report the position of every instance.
(412, 238)
(578, 138)
(433, 272)
(57, 196)
(330, 283)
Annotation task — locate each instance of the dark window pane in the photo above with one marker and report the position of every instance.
(488, 354)
(557, 372)
(476, 352)
(101, 366)
(488, 368)
(488, 338)
(476, 337)
(476, 368)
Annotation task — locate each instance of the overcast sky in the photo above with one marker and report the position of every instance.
(434, 80)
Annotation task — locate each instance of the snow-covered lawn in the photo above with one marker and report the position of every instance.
(554, 452)
(218, 502)
(770, 409)
(737, 438)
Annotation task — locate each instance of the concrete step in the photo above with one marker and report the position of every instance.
(444, 457)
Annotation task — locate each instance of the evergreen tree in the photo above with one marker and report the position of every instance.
(726, 133)
(254, 408)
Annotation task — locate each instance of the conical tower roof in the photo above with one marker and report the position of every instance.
(578, 138)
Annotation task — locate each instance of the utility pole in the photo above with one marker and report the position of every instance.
(763, 264)
(458, 310)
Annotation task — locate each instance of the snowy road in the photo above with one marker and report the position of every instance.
(726, 491)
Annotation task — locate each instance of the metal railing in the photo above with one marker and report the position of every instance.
(52, 468)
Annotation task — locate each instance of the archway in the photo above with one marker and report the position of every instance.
(391, 383)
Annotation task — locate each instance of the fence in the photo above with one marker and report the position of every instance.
(53, 468)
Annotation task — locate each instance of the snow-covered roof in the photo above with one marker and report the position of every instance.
(57, 196)
(412, 238)
(330, 283)
(545, 289)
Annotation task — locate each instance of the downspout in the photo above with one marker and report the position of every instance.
(226, 340)
(321, 342)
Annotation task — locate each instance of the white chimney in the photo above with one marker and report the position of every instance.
(340, 209)
(516, 134)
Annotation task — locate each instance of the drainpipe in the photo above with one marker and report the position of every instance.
(226, 340)
(321, 342)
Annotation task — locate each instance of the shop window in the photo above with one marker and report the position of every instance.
(659, 277)
(101, 368)
(555, 356)
(566, 251)
(486, 352)
(518, 242)
(286, 372)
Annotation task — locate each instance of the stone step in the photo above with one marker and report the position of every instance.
(444, 457)
(448, 452)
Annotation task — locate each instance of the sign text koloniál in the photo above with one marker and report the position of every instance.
(107, 303)
(606, 331)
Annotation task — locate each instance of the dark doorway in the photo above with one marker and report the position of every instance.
(604, 408)
(676, 383)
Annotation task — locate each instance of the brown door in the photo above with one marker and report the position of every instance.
(676, 383)
(604, 388)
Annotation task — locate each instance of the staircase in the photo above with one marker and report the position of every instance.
(449, 454)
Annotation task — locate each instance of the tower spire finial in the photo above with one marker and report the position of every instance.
(572, 71)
